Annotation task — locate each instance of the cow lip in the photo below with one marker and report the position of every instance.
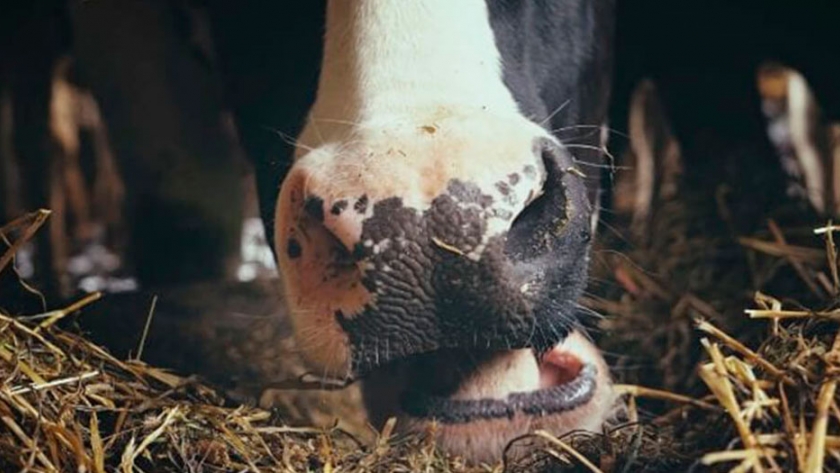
(566, 383)
(545, 401)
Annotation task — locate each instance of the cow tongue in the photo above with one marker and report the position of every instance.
(558, 366)
(522, 371)
(467, 375)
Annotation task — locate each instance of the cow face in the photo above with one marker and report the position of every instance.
(433, 234)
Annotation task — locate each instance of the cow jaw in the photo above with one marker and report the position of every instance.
(475, 404)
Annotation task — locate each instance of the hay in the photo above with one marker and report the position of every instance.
(720, 388)
(676, 313)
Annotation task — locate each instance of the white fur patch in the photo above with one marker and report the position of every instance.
(392, 61)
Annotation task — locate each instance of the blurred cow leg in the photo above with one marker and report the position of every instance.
(804, 139)
(65, 127)
(108, 185)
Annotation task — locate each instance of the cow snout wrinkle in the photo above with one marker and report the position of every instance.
(438, 278)
(485, 302)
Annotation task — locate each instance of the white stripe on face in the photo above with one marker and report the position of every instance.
(394, 57)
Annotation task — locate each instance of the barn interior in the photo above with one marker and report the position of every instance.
(714, 277)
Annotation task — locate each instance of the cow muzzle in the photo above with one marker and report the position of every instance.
(450, 253)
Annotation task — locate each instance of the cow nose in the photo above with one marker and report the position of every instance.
(388, 264)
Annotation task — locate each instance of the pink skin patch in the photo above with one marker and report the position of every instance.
(558, 366)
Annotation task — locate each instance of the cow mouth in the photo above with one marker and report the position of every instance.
(477, 403)
(458, 387)
(563, 382)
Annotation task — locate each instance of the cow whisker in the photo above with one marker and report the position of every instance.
(600, 149)
(555, 112)
(610, 167)
(354, 124)
(616, 232)
(590, 311)
(321, 139)
(588, 133)
(290, 140)
(597, 127)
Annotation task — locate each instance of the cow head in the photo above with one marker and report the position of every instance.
(433, 232)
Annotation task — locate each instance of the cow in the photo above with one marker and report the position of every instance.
(431, 230)
(431, 218)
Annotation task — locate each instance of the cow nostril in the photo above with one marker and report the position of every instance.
(314, 207)
(340, 253)
(325, 237)
(544, 218)
(340, 225)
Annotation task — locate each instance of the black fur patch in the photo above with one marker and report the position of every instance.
(361, 205)
(293, 249)
(530, 172)
(338, 207)
(314, 207)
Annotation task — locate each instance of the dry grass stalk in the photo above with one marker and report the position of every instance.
(27, 225)
(568, 449)
(734, 344)
(801, 269)
(783, 250)
(782, 428)
(644, 392)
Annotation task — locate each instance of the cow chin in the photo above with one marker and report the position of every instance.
(476, 404)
